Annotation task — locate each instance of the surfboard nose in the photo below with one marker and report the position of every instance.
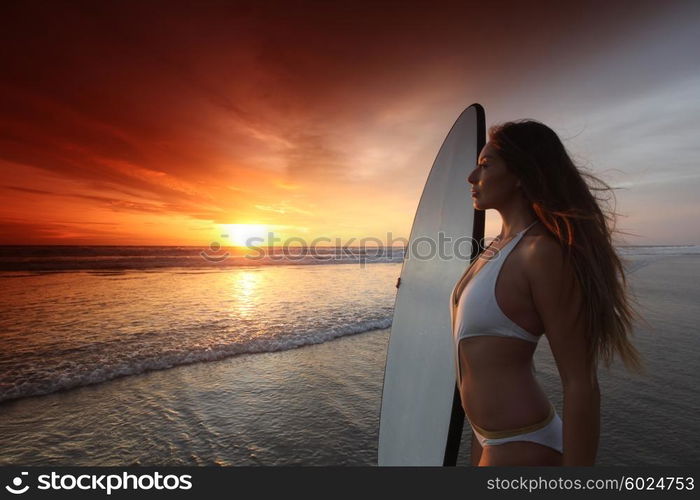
(417, 421)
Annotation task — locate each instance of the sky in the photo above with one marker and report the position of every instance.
(168, 123)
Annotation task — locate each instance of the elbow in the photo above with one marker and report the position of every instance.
(582, 387)
(580, 381)
(582, 400)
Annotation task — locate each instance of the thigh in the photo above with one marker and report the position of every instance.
(519, 453)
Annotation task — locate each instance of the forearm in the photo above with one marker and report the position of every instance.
(581, 424)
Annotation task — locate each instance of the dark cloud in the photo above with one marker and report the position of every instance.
(211, 108)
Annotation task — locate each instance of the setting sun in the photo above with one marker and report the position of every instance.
(241, 234)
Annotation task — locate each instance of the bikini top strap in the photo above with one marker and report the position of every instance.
(528, 227)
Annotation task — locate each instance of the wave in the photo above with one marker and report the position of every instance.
(71, 375)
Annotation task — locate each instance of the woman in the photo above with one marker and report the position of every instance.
(552, 270)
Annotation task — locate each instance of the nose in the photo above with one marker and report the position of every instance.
(472, 179)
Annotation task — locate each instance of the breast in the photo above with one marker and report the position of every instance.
(473, 313)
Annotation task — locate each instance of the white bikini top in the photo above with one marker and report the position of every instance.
(478, 312)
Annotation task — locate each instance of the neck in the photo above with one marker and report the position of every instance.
(516, 216)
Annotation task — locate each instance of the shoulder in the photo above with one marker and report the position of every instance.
(545, 259)
(542, 248)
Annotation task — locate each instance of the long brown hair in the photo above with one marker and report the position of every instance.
(572, 205)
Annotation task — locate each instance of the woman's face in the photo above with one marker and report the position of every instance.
(493, 184)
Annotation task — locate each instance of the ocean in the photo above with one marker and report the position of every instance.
(158, 356)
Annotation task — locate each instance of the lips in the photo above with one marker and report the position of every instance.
(474, 193)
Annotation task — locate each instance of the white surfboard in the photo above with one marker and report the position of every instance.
(421, 418)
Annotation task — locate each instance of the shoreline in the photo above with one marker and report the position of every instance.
(238, 396)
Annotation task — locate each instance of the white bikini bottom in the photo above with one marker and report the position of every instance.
(548, 432)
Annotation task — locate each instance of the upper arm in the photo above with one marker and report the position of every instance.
(559, 302)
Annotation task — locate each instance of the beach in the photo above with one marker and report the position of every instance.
(316, 401)
(316, 405)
